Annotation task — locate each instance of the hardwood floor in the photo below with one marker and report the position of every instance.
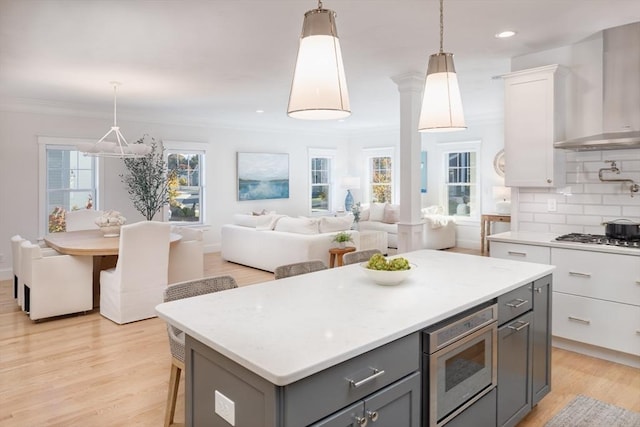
(85, 370)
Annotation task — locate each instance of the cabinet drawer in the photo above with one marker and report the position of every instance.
(314, 397)
(603, 323)
(514, 303)
(518, 252)
(610, 277)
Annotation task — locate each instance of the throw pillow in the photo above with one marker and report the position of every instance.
(329, 224)
(376, 211)
(364, 214)
(391, 214)
(297, 225)
(267, 222)
(245, 220)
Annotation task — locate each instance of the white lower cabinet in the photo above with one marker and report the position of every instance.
(596, 295)
(602, 323)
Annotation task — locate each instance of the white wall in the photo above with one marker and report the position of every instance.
(19, 173)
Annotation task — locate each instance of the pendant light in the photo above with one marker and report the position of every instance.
(120, 148)
(441, 102)
(319, 87)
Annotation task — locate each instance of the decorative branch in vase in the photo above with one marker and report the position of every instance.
(148, 180)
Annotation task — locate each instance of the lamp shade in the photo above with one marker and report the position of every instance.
(441, 104)
(319, 87)
(350, 182)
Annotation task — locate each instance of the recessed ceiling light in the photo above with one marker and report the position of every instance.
(505, 34)
(259, 111)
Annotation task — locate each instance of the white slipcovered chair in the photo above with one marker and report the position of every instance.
(81, 219)
(186, 257)
(16, 241)
(132, 289)
(54, 284)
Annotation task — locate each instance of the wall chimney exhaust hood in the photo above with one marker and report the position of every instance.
(621, 93)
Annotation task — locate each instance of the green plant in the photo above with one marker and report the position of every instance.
(342, 237)
(148, 180)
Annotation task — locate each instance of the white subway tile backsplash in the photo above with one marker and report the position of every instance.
(623, 200)
(628, 211)
(533, 207)
(550, 218)
(585, 199)
(534, 226)
(602, 210)
(585, 202)
(584, 220)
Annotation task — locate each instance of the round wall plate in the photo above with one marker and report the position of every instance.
(498, 163)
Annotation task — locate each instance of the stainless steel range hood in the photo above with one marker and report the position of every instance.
(621, 93)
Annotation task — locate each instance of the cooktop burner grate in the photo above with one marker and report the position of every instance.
(598, 239)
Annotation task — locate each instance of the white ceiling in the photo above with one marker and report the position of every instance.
(218, 61)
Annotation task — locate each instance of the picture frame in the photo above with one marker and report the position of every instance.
(262, 176)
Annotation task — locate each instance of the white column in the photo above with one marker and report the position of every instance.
(410, 227)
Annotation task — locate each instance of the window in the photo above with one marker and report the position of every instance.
(321, 164)
(186, 188)
(380, 175)
(461, 183)
(69, 182)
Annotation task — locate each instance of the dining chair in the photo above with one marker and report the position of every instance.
(132, 289)
(297, 268)
(186, 257)
(359, 256)
(81, 219)
(54, 284)
(178, 291)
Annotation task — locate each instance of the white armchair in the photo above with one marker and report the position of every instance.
(186, 257)
(16, 241)
(81, 219)
(55, 284)
(132, 289)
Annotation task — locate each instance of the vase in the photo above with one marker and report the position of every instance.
(110, 230)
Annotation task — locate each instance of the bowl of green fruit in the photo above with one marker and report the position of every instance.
(387, 272)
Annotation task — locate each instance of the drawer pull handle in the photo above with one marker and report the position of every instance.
(538, 290)
(376, 374)
(517, 253)
(361, 421)
(519, 328)
(577, 274)
(577, 319)
(373, 416)
(518, 304)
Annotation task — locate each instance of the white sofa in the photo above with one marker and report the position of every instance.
(439, 230)
(268, 241)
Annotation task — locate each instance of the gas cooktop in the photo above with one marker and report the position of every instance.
(598, 239)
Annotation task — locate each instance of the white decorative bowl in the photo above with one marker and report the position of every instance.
(110, 230)
(388, 278)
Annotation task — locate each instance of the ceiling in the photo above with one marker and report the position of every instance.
(215, 62)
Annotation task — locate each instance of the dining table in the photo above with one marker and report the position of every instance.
(104, 250)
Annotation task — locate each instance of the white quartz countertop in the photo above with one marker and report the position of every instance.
(549, 240)
(288, 329)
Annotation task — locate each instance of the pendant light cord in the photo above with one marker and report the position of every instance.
(115, 86)
(319, 4)
(441, 26)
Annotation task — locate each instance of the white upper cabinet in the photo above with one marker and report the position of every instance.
(533, 109)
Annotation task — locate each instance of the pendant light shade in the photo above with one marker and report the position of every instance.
(319, 87)
(118, 148)
(441, 103)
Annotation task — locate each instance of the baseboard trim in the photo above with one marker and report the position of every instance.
(595, 351)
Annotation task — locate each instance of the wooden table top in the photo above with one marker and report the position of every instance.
(88, 242)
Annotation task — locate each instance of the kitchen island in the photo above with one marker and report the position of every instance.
(277, 335)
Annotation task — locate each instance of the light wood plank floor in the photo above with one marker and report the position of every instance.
(85, 370)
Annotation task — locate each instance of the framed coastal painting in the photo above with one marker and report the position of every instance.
(263, 176)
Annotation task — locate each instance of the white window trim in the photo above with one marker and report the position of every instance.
(395, 171)
(43, 142)
(172, 145)
(329, 153)
(455, 147)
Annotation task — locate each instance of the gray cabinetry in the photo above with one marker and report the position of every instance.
(541, 357)
(395, 406)
(383, 383)
(514, 370)
(524, 350)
